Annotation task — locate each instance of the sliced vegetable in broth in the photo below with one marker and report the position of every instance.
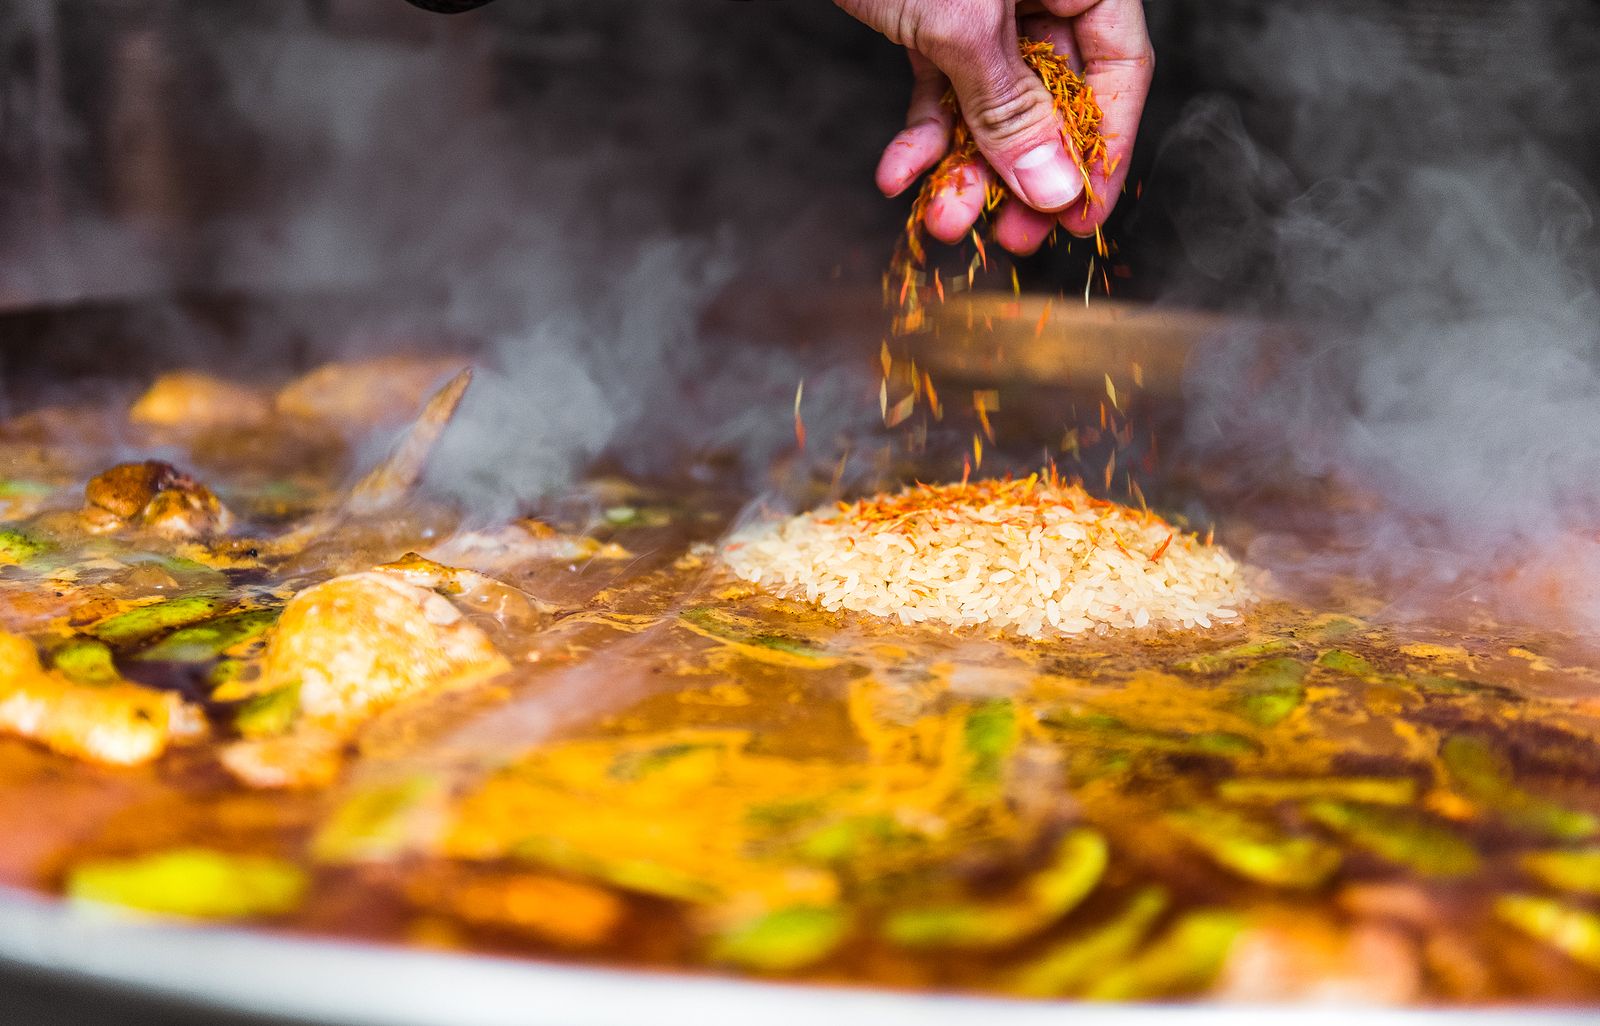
(145, 622)
(783, 940)
(1573, 869)
(1368, 790)
(1256, 849)
(1076, 867)
(193, 882)
(1185, 958)
(1400, 836)
(1268, 691)
(1570, 929)
(85, 661)
(209, 639)
(1485, 776)
(1073, 966)
(18, 548)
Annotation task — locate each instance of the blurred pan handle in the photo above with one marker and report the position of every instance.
(448, 6)
(989, 339)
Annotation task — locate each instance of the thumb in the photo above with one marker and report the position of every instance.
(1014, 121)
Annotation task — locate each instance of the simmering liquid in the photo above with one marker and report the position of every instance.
(682, 771)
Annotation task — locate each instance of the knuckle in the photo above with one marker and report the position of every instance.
(956, 28)
(897, 20)
(1009, 114)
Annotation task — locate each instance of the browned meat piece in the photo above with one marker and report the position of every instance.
(120, 724)
(156, 496)
(127, 489)
(194, 401)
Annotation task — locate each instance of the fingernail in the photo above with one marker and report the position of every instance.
(1048, 179)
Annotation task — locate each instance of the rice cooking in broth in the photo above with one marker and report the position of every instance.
(1038, 557)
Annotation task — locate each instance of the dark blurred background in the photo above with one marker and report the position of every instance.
(149, 146)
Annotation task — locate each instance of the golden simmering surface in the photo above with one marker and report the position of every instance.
(584, 737)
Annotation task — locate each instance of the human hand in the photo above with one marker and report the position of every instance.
(971, 45)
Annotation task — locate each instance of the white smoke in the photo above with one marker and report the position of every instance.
(566, 184)
(1424, 228)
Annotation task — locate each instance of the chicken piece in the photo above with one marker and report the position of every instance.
(348, 649)
(200, 402)
(156, 496)
(568, 913)
(523, 542)
(364, 641)
(306, 758)
(1292, 957)
(478, 593)
(119, 724)
(364, 394)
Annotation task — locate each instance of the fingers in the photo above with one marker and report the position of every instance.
(1020, 229)
(956, 207)
(1011, 114)
(927, 133)
(1118, 64)
(971, 46)
(1057, 31)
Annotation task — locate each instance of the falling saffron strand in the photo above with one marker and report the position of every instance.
(1081, 117)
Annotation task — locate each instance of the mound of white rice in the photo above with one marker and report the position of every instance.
(1037, 557)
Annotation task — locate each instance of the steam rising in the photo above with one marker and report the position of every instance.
(565, 184)
(1421, 222)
